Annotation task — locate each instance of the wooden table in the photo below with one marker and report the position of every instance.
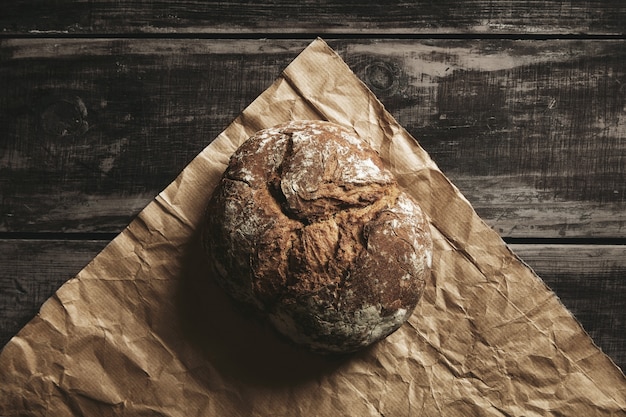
(522, 104)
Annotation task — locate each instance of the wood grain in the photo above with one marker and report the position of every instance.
(323, 17)
(590, 281)
(32, 270)
(532, 132)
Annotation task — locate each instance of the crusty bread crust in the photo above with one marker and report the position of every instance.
(310, 228)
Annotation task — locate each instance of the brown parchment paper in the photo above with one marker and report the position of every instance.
(142, 331)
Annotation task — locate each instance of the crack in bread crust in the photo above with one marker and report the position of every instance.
(308, 226)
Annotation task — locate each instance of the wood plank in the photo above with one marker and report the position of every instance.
(96, 128)
(532, 132)
(323, 17)
(32, 270)
(590, 281)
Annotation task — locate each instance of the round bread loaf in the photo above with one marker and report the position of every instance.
(309, 228)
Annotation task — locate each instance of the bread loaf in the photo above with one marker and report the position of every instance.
(309, 228)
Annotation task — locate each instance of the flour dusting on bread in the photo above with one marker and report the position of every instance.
(309, 227)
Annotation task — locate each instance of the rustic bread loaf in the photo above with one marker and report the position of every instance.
(308, 226)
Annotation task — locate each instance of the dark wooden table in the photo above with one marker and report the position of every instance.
(522, 104)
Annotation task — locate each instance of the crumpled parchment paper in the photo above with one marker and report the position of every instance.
(142, 330)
